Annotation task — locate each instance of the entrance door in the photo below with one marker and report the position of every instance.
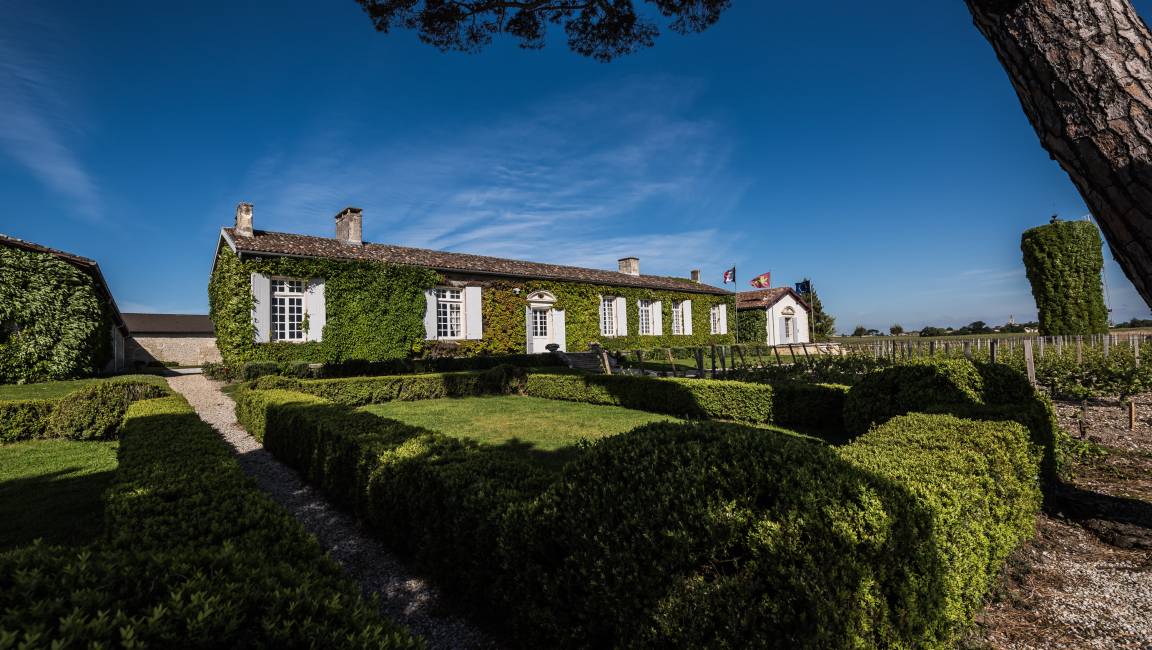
(541, 328)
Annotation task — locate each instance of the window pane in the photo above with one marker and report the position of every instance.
(608, 317)
(645, 316)
(539, 323)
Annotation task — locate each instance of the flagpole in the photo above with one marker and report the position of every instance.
(736, 305)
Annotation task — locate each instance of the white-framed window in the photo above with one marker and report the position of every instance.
(677, 317)
(449, 313)
(540, 323)
(719, 319)
(287, 309)
(788, 327)
(608, 316)
(646, 317)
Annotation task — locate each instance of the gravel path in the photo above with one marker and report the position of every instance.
(405, 597)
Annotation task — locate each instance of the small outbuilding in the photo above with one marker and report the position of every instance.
(181, 339)
(773, 317)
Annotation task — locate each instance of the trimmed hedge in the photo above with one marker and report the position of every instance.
(90, 413)
(1064, 261)
(24, 419)
(804, 406)
(436, 498)
(686, 535)
(983, 391)
(692, 398)
(194, 555)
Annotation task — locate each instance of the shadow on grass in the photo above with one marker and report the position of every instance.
(58, 506)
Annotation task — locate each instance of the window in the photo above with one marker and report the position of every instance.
(608, 316)
(540, 323)
(787, 327)
(646, 317)
(677, 317)
(449, 314)
(287, 310)
(719, 319)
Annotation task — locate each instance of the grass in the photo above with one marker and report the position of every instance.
(58, 389)
(546, 430)
(53, 489)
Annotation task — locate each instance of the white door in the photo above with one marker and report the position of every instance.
(541, 329)
(788, 329)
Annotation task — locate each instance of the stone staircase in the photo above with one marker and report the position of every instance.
(587, 361)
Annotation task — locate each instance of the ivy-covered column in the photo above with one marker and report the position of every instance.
(1064, 261)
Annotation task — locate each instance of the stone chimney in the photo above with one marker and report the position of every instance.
(350, 226)
(695, 275)
(244, 219)
(630, 265)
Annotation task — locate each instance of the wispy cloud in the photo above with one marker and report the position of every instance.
(37, 121)
(580, 179)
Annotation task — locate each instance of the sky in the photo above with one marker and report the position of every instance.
(882, 153)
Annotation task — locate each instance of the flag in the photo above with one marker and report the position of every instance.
(762, 281)
(730, 275)
(804, 288)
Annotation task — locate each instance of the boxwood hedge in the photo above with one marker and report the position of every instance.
(704, 534)
(193, 555)
(91, 412)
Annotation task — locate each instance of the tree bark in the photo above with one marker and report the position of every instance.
(1083, 72)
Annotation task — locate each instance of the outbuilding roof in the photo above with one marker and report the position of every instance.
(263, 242)
(169, 323)
(765, 298)
(86, 265)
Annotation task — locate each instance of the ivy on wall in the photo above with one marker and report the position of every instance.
(54, 323)
(1064, 261)
(504, 317)
(375, 311)
(753, 326)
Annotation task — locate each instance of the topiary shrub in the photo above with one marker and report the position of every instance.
(809, 407)
(24, 419)
(94, 412)
(218, 371)
(909, 387)
(1064, 262)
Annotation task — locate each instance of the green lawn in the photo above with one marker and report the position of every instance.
(542, 428)
(57, 389)
(53, 489)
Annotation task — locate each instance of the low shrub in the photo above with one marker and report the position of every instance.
(218, 371)
(692, 398)
(358, 391)
(94, 412)
(436, 498)
(256, 369)
(761, 536)
(24, 419)
(809, 407)
(975, 390)
(194, 555)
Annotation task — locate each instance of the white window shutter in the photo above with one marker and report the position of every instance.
(473, 313)
(658, 318)
(688, 317)
(723, 319)
(430, 315)
(621, 317)
(600, 300)
(559, 331)
(316, 308)
(528, 330)
(262, 307)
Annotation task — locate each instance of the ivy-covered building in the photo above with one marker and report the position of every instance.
(283, 297)
(58, 319)
(774, 317)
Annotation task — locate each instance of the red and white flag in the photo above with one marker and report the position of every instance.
(730, 275)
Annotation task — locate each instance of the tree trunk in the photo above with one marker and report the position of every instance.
(1083, 72)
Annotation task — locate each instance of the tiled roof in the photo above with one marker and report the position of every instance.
(83, 263)
(276, 243)
(765, 298)
(169, 323)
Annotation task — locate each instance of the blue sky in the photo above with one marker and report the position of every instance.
(882, 153)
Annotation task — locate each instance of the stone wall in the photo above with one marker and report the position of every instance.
(184, 349)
